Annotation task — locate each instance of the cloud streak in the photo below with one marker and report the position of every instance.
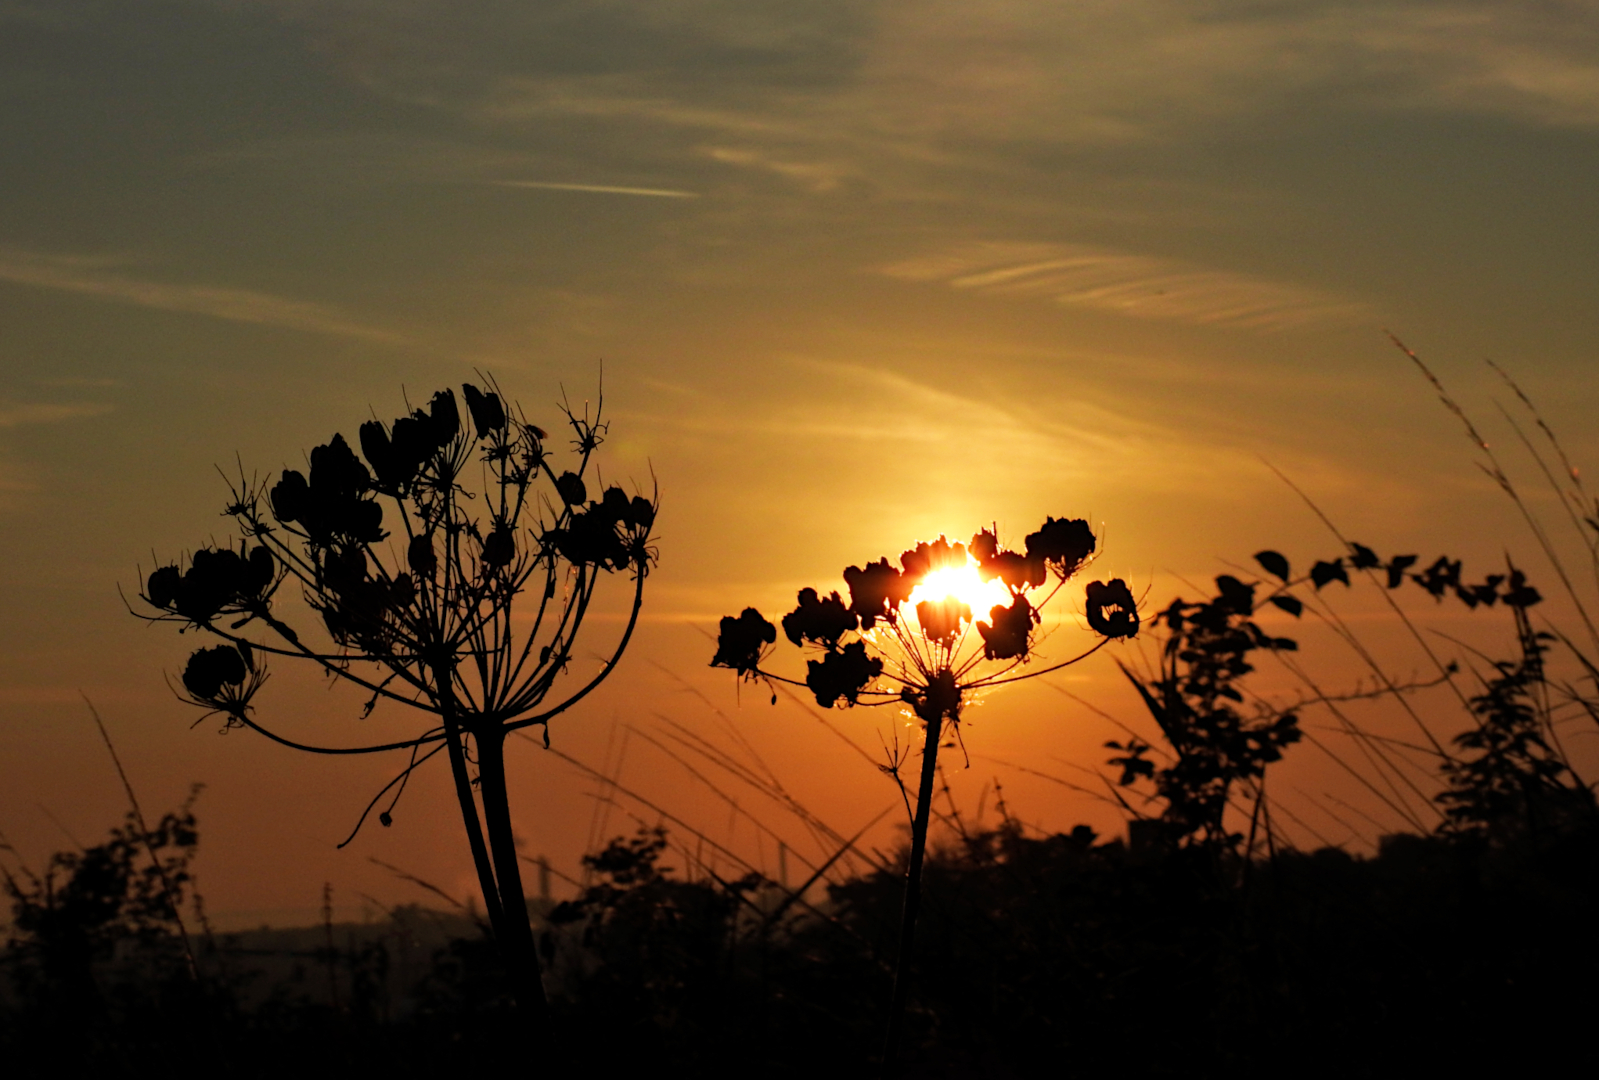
(91, 277)
(598, 189)
(1140, 286)
(36, 413)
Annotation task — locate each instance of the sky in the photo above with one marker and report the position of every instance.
(848, 276)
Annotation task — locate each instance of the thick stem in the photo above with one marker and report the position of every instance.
(444, 676)
(516, 941)
(913, 890)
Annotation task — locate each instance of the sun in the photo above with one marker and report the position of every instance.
(962, 583)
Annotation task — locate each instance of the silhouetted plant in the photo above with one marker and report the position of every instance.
(646, 950)
(1196, 701)
(100, 923)
(912, 628)
(465, 602)
(1511, 771)
(1511, 781)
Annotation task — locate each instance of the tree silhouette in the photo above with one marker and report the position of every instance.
(909, 628)
(419, 606)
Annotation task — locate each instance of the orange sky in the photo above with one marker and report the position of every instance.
(857, 274)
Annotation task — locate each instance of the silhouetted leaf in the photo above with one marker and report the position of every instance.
(1324, 572)
(1362, 557)
(1273, 563)
(1519, 594)
(1442, 576)
(1289, 604)
(1396, 569)
(1234, 595)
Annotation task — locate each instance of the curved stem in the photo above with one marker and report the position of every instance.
(406, 744)
(610, 665)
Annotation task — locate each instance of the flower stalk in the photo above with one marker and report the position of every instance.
(908, 638)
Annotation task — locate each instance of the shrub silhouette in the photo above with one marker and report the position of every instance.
(1194, 699)
(416, 562)
(927, 654)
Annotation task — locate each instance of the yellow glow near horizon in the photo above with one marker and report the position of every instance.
(964, 584)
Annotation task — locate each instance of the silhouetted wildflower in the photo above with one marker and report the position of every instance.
(435, 631)
(913, 629)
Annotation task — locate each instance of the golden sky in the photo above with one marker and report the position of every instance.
(858, 273)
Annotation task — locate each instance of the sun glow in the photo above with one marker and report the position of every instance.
(961, 583)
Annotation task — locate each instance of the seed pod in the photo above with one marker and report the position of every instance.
(487, 412)
(162, 588)
(618, 507)
(209, 669)
(262, 568)
(1111, 609)
(642, 512)
(413, 445)
(570, 488)
(336, 474)
(499, 547)
(290, 496)
(1063, 543)
(739, 644)
(421, 558)
(444, 416)
(378, 450)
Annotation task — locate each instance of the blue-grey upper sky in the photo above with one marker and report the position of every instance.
(856, 272)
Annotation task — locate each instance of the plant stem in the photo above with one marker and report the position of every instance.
(913, 890)
(516, 941)
(444, 676)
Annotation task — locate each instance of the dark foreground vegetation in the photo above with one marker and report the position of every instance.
(1442, 951)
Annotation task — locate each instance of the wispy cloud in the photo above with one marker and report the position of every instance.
(80, 382)
(929, 71)
(818, 176)
(598, 189)
(93, 277)
(18, 415)
(1136, 285)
